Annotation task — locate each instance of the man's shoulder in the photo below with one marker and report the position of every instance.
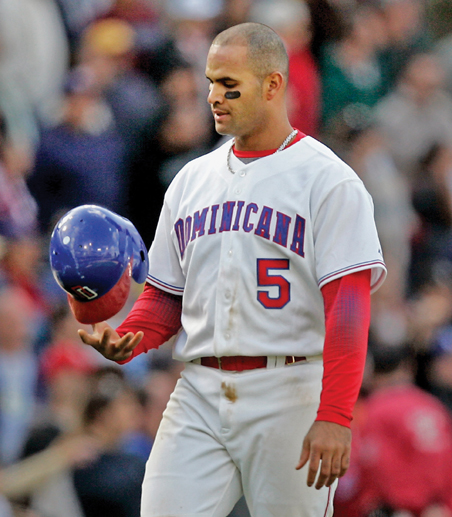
(323, 162)
(320, 150)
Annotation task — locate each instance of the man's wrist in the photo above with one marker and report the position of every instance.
(334, 417)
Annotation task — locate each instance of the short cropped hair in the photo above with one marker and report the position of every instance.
(266, 51)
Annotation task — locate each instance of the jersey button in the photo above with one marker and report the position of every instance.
(242, 174)
(227, 295)
(227, 335)
(238, 191)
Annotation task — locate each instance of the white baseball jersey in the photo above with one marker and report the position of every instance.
(250, 251)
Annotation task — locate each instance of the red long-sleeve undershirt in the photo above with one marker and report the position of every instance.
(347, 316)
(347, 319)
(156, 313)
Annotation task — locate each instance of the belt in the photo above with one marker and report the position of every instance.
(240, 363)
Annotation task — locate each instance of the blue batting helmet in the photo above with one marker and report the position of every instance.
(94, 253)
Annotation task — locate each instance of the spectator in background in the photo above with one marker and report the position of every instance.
(82, 159)
(405, 442)
(234, 12)
(185, 132)
(18, 373)
(193, 24)
(20, 251)
(328, 24)
(350, 70)
(179, 138)
(43, 479)
(292, 21)
(429, 313)
(432, 200)
(139, 13)
(417, 114)
(77, 15)
(111, 484)
(406, 447)
(34, 59)
(367, 152)
(157, 53)
(18, 210)
(139, 441)
(21, 266)
(407, 34)
(108, 49)
(158, 388)
(65, 369)
(439, 367)
(88, 427)
(153, 398)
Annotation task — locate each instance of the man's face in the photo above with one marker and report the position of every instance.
(228, 71)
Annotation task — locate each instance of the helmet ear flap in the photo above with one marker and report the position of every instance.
(140, 259)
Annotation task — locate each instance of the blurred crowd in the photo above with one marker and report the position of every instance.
(103, 101)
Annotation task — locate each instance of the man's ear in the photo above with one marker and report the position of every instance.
(273, 84)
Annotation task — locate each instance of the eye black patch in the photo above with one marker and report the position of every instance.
(232, 95)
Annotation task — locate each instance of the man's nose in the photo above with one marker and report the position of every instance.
(215, 95)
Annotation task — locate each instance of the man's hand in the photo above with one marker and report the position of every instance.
(329, 444)
(109, 343)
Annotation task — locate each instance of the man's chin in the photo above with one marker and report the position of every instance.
(221, 129)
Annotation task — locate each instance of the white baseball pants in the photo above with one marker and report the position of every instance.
(227, 433)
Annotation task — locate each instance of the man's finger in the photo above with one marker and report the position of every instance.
(335, 470)
(345, 463)
(125, 342)
(325, 471)
(303, 458)
(314, 462)
(125, 346)
(87, 338)
(135, 340)
(105, 339)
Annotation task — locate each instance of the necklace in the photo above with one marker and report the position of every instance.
(280, 148)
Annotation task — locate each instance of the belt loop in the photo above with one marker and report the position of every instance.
(271, 361)
(280, 361)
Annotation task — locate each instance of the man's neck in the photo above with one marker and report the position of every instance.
(273, 136)
(248, 156)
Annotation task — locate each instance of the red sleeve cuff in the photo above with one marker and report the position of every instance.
(334, 417)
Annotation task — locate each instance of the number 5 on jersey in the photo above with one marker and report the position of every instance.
(267, 279)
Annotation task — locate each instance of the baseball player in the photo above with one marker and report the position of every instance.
(263, 263)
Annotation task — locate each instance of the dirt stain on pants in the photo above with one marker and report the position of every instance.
(229, 391)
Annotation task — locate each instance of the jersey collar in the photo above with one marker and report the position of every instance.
(267, 152)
